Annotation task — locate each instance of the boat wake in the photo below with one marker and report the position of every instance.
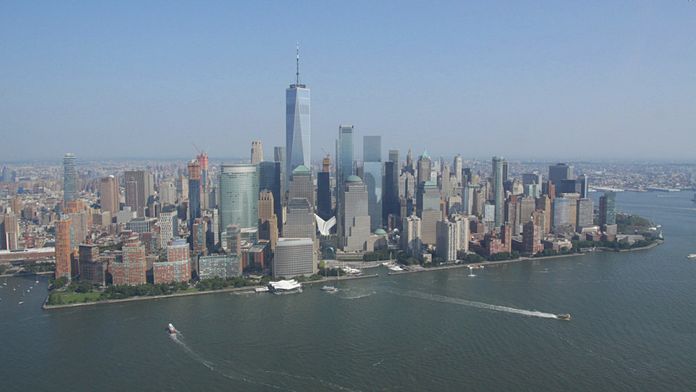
(358, 295)
(178, 338)
(473, 304)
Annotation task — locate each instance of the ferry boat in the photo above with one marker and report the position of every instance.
(171, 329)
(329, 289)
(285, 287)
(565, 316)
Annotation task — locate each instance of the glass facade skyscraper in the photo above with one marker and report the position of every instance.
(498, 190)
(69, 178)
(372, 169)
(239, 193)
(297, 127)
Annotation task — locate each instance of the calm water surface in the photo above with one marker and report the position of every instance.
(633, 328)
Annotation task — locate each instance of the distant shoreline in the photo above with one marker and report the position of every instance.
(46, 306)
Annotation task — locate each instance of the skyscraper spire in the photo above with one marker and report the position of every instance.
(297, 72)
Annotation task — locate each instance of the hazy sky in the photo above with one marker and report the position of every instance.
(521, 79)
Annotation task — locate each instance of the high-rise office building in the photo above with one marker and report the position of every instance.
(205, 180)
(498, 190)
(108, 194)
(344, 155)
(239, 192)
(302, 184)
(279, 157)
(425, 165)
(64, 241)
(256, 152)
(562, 214)
(429, 210)
(559, 172)
(324, 208)
(69, 178)
(585, 212)
(457, 167)
(390, 192)
(372, 177)
(446, 240)
(194, 196)
(355, 215)
(10, 231)
(167, 192)
(271, 179)
(607, 209)
(139, 187)
(298, 126)
(294, 257)
(268, 225)
(300, 220)
(531, 238)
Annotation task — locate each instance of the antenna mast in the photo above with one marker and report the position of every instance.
(297, 72)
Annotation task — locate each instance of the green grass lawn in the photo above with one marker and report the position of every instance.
(75, 298)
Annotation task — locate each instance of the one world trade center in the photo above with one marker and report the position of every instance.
(297, 124)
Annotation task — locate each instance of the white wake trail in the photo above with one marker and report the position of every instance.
(474, 304)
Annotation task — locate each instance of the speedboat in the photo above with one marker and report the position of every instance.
(329, 289)
(691, 256)
(171, 329)
(565, 316)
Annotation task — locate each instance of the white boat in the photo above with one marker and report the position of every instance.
(20, 302)
(171, 329)
(395, 268)
(329, 289)
(285, 287)
(691, 256)
(261, 290)
(351, 271)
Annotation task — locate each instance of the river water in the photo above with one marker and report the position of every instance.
(633, 328)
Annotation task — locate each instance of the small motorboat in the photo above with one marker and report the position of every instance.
(171, 329)
(691, 256)
(565, 316)
(329, 289)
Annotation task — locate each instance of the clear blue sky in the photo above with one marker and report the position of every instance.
(521, 79)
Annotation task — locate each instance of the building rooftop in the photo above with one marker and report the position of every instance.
(353, 178)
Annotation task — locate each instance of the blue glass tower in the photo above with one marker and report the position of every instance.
(297, 124)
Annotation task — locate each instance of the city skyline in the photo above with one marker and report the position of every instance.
(450, 76)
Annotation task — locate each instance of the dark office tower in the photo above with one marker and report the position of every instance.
(607, 209)
(69, 178)
(138, 188)
(584, 186)
(466, 175)
(505, 171)
(372, 177)
(324, 190)
(568, 186)
(270, 179)
(549, 189)
(297, 123)
(424, 168)
(205, 186)
(394, 157)
(194, 192)
(498, 190)
(410, 165)
(559, 172)
(279, 157)
(390, 191)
